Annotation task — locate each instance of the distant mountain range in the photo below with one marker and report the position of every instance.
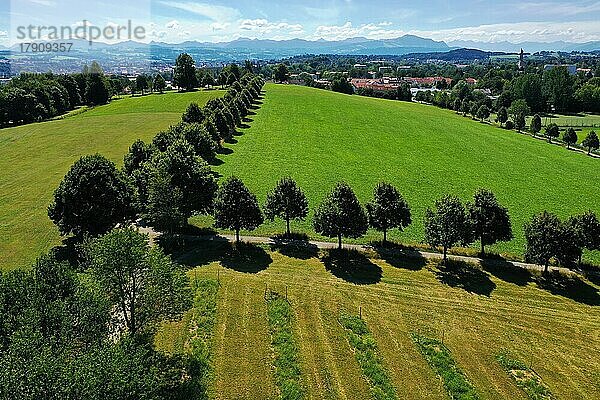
(133, 57)
(354, 46)
(244, 48)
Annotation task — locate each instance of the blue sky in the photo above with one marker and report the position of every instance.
(180, 20)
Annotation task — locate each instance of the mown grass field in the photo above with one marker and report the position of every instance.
(319, 137)
(552, 325)
(34, 158)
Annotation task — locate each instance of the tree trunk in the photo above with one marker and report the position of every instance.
(237, 236)
(384, 235)
(287, 223)
(546, 268)
(482, 248)
(445, 254)
(340, 241)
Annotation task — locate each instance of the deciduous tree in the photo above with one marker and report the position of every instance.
(236, 208)
(570, 137)
(591, 141)
(184, 75)
(543, 235)
(286, 201)
(93, 197)
(142, 282)
(341, 215)
(388, 209)
(551, 131)
(536, 124)
(488, 219)
(447, 224)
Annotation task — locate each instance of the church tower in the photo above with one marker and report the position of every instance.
(521, 63)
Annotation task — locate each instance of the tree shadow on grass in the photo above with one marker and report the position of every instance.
(224, 150)
(507, 271)
(351, 266)
(593, 277)
(465, 276)
(570, 286)
(296, 246)
(399, 256)
(246, 257)
(215, 162)
(197, 251)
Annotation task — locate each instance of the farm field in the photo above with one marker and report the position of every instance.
(35, 157)
(319, 137)
(552, 325)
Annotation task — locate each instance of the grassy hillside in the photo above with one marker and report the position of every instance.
(34, 158)
(553, 324)
(320, 137)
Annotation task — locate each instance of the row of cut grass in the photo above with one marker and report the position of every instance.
(285, 347)
(553, 321)
(525, 377)
(204, 320)
(367, 355)
(440, 359)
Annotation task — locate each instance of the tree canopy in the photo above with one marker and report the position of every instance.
(236, 208)
(447, 224)
(489, 220)
(388, 209)
(286, 201)
(93, 197)
(341, 215)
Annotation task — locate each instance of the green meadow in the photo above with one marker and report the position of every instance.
(319, 137)
(34, 158)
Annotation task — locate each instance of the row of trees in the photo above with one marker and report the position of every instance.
(448, 223)
(164, 182)
(36, 97)
(187, 77)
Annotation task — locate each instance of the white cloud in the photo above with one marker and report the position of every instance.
(219, 26)
(346, 31)
(263, 26)
(581, 31)
(209, 11)
(172, 25)
(47, 3)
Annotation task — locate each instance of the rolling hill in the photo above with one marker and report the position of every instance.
(319, 137)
